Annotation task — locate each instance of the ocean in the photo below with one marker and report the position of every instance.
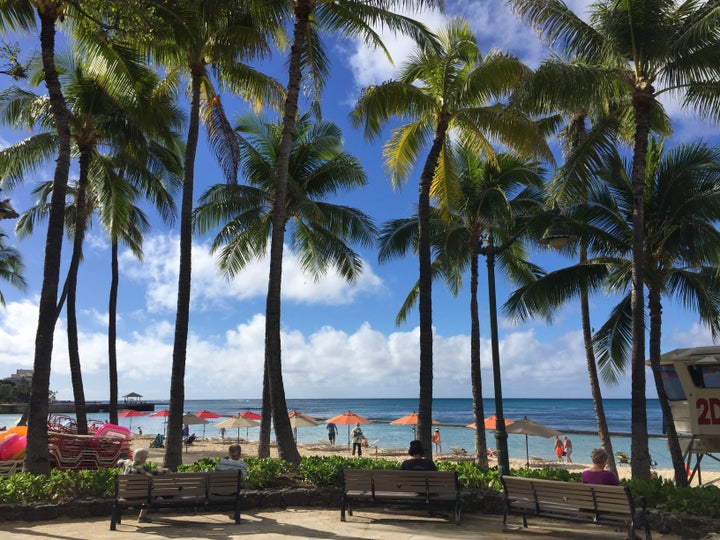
(573, 417)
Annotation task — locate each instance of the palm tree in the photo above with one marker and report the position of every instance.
(346, 18)
(11, 267)
(681, 257)
(439, 91)
(637, 51)
(21, 15)
(101, 116)
(492, 193)
(319, 231)
(681, 253)
(195, 37)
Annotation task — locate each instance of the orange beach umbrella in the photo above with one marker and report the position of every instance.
(410, 420)
(490, 423)
(347, 419)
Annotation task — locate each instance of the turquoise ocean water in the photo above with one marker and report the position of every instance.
(573, 417)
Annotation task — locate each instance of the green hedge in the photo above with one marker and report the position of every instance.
(327, 471)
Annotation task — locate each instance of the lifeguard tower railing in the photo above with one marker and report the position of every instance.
(691, 378)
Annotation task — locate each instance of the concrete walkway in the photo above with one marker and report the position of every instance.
(309, 523)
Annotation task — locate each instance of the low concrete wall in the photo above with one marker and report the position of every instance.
(488, 502)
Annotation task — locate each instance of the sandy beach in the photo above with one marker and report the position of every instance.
(215, 447)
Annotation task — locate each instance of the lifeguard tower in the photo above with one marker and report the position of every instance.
(691, 378)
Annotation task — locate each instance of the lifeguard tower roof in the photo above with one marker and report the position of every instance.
(696, 355)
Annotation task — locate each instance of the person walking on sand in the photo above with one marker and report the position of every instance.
(597, 474)
(357, 438)
(332, 432)
(559, 448)
(567, 449)
(436, 440)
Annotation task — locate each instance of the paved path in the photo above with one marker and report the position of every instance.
(309, 523)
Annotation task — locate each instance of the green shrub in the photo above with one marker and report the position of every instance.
(327, 471)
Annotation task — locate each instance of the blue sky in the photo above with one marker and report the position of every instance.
(339, 339)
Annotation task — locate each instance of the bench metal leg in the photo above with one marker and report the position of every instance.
(457, 514)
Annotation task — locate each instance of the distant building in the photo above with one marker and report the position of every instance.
(22, 375)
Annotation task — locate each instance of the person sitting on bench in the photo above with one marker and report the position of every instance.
(233, 463)
(417, 461)
(597, 474)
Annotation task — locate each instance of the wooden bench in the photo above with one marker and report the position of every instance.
(8, 468)
(573, 501)
(430, 490)
(202, 490)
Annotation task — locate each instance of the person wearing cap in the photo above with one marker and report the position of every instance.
(436, 440)
(417, 462)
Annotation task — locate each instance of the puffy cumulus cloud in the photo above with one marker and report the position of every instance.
(329, 362)
(696, 336)
(210, 289)
(18, 325)
(371, 65)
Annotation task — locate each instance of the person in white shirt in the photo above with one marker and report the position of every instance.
(233, 463)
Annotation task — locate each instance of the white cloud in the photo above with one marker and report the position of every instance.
(329, 362)
(209, 289)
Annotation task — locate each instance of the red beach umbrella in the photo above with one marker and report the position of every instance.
(164, 413)
(251, 415)
(347, 419)
(131, 413)
(205, 415)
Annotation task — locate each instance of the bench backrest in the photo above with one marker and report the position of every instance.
(188, 485)
(214, 486)
(395, 481)
(553, 493)
(224, 485)
(132, 487)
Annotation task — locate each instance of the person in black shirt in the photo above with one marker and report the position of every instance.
(417, 461)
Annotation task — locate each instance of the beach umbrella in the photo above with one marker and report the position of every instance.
(164, 413)
(207, 415)
(410, 420)
(131, 413)
(490, 422)
(298, 419)
(527, 427)
(237, 421)
(190, 419)
(348, 419)
(250, 416)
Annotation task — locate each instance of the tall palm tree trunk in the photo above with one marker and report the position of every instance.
(639, 451)
(287, 449)
(71, 307)
(112, 331)
(475, 372)
(595, 391)
(266, 417)
(424, 428)
(37, 456)
(655, 308)
(173, 451)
